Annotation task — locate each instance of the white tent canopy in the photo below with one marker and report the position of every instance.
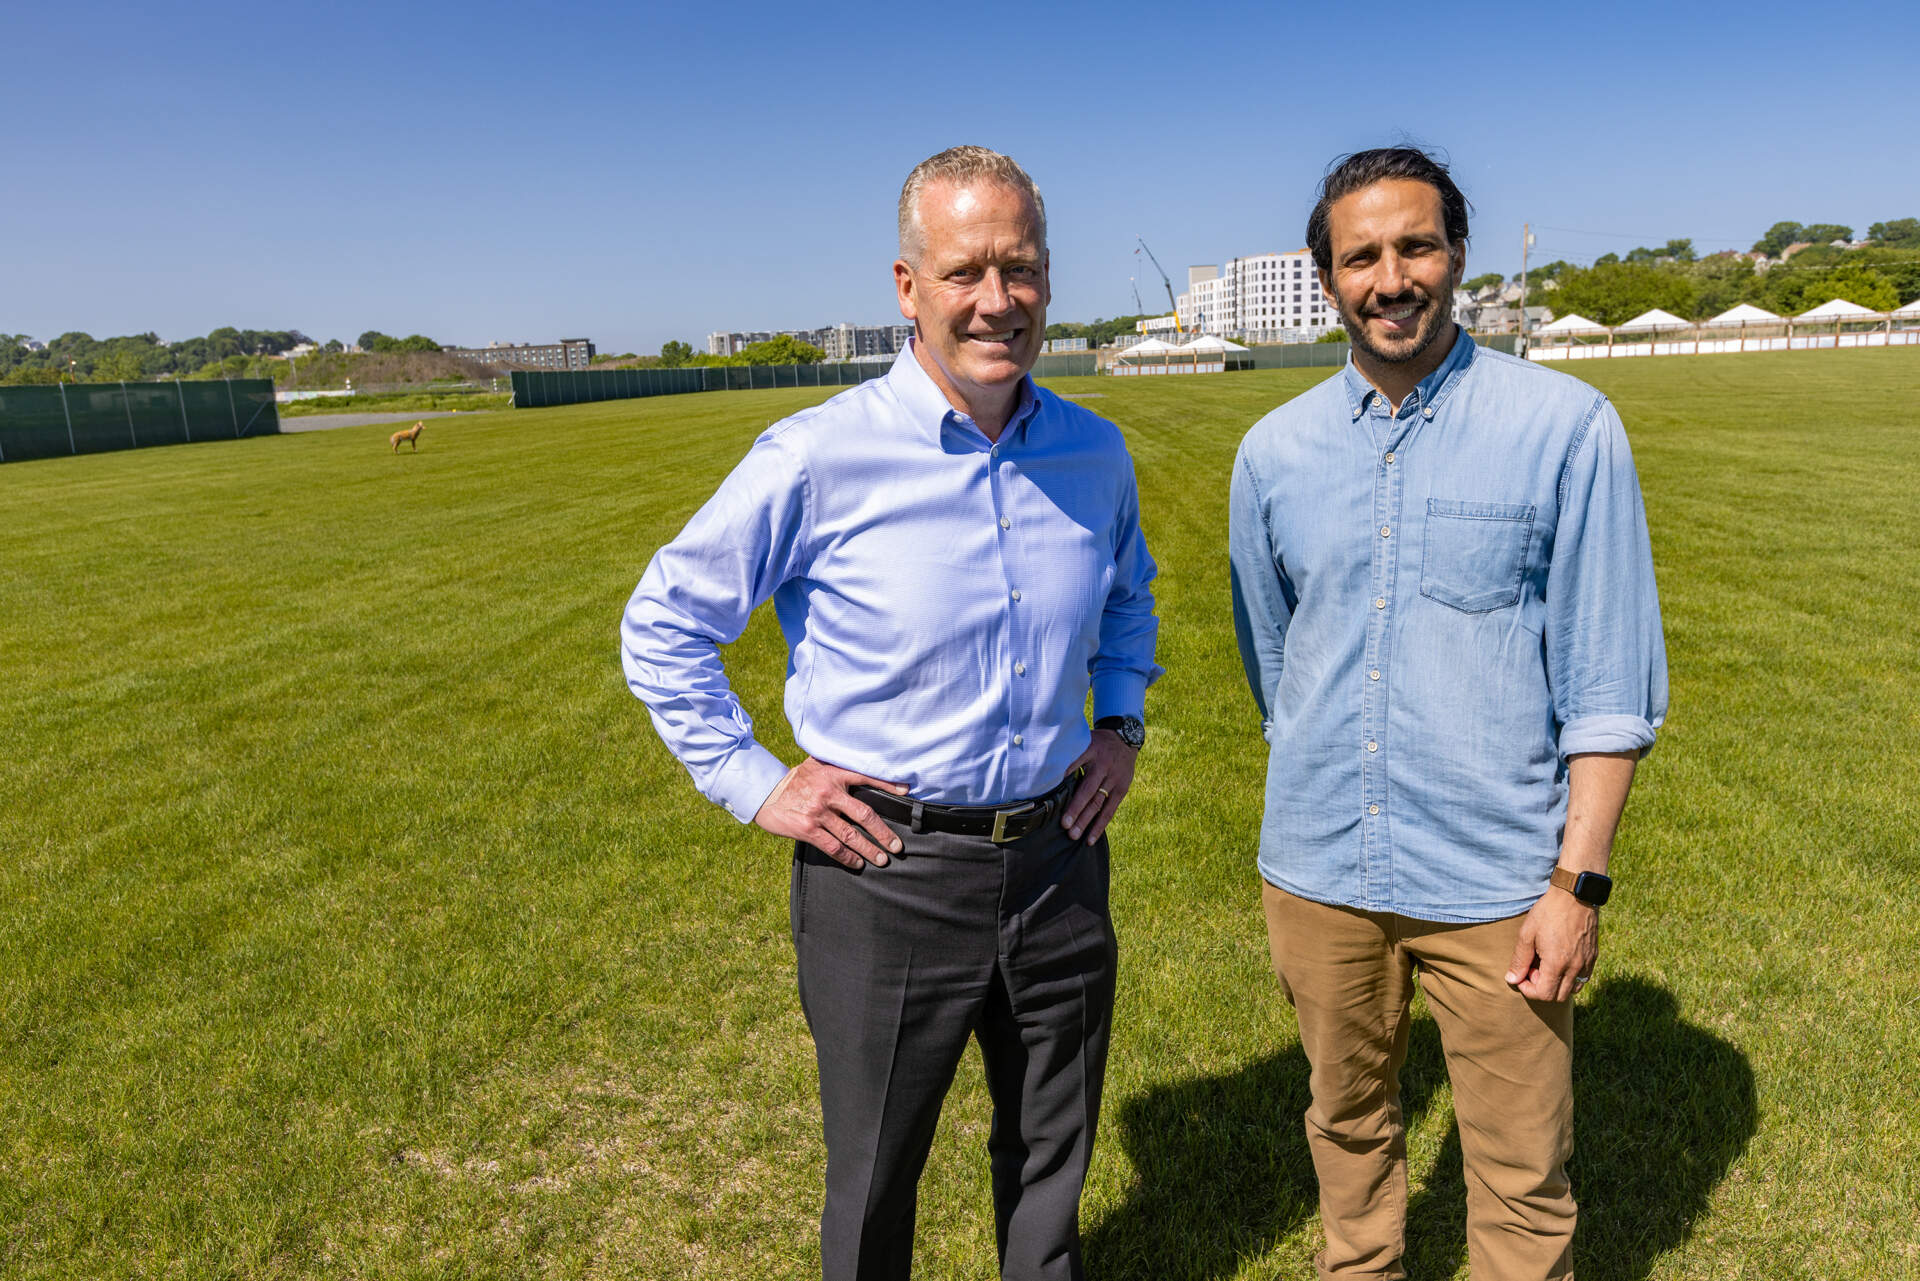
(1571, 323)
(1208, 342)
(1838, 309)
(1911, 309)
(1151, 347)
(1656, 319)
(1745, 314)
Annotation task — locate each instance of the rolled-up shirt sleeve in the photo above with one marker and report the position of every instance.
(1261, 613)
(1606, 656)
(697, 595)
(1123, 666)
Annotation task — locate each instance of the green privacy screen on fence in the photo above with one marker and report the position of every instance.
(1327, 354)
(537, 389)
(92, 418)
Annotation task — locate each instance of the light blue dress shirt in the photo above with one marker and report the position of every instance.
(1435, 608)
(947, 601)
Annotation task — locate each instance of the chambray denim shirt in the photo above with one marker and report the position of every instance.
(1435, 608)
(946, 601)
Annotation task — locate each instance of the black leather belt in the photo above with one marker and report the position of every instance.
(998, 824)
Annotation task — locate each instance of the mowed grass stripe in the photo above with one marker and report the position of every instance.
(355, 921)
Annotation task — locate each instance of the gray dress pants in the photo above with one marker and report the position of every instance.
(899, 965)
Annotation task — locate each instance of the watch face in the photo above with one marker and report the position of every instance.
(1133, 732)
(1591, 887)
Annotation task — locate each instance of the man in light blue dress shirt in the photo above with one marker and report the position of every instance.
(1443, 592)
(955, 558)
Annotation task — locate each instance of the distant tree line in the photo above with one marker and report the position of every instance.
(784, 349)
(1880, 275)
(224, 353)
(1101, 332)
(1900, 233)
(1617, 291)
(84, 358)
(374, 340)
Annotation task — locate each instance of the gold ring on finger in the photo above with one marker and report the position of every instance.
(1104, 792)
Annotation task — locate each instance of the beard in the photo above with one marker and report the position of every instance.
(1434, 315)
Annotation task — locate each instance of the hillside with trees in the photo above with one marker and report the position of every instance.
(234, 353)
(1803, 268)
(82, 357)
(1100, 332)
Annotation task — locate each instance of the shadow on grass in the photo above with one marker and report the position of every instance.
(1661, 1111)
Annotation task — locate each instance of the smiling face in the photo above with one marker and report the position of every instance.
(1393, 276)
(977, 292)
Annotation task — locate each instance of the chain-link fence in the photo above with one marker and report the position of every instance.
(92, 418)
(538, 389)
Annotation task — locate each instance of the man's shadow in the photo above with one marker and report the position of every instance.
(1662, 1109)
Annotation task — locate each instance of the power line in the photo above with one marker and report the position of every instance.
(1621, 235)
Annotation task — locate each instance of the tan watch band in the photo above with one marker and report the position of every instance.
(1566, 878)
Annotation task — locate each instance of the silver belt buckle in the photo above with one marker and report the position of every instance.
(1000, 818)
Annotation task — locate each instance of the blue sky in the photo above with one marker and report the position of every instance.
(638, 173)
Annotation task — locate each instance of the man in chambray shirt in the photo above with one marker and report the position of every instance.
(955, 558)
(1444, 597)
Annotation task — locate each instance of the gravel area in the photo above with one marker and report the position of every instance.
(322, 422)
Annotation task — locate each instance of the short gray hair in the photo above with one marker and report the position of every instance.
(962, 166)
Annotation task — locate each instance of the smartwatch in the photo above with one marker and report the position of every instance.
(1591, 888)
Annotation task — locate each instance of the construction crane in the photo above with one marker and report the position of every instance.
(1139, 308)
(1171, 304)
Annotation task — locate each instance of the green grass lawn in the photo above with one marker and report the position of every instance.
(353, 922)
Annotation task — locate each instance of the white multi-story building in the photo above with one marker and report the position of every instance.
(848, 342)
(837, 342)
(1264, 297)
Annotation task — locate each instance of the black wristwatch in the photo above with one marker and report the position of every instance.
(1131, 729)
(1591, 888)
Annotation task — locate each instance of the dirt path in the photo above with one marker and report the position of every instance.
(322, 422)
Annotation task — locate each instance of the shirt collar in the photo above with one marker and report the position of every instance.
(928, 406)
(1431, 390)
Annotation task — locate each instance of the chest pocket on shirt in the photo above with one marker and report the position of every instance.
(1476, 554)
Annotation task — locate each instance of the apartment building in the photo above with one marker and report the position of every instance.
(845, 342)
(1263, 297)
(568, 353)
(837, 342)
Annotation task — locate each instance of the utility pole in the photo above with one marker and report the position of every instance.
(1526, 243)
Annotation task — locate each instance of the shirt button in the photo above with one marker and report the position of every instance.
(1379, 602)
(1372, 746)
(1016, 593)
(1019, 669)
(1017, 740)
(1005, 523)
(1373, 809)
(1386, 531)
(1389, 455)
(1374, 675)
(1429, 411)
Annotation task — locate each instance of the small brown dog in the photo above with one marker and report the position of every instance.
(411, 435)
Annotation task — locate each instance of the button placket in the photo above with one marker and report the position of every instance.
(1016, 639)
(1377, 852)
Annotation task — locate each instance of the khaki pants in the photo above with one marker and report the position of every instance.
(1349, 975)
